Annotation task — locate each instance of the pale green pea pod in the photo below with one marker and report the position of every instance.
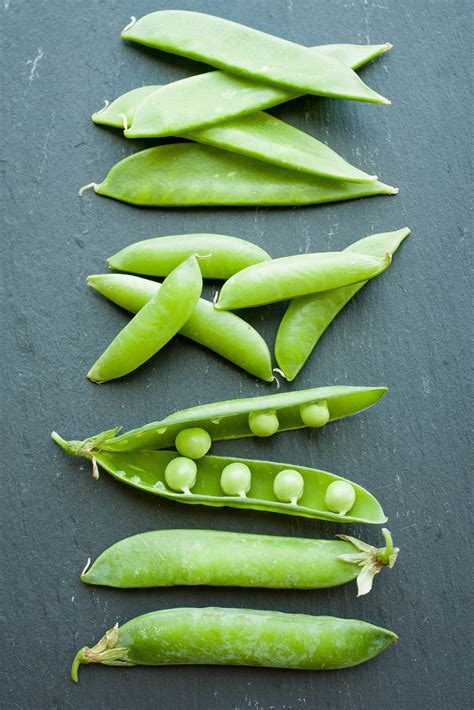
(249, 53)
(192, 175)
(224, 333)
(290, 276)
(307, 317)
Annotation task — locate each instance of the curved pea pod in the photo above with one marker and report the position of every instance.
(166, 558)
(291, 276)
(249, 53)
(145, 470)
(159, 256)
(224, 333)
(189, 174)
(237, 637)
(154, 325)
(307, 317)
(230, 419)
(204, 100)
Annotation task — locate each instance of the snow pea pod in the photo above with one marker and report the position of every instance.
(223, 332)
(249, 53)
(290, 276)
(189, 174)
(145, 470)
(207, 99)
(231, 419)
(307, 317)
(166, 558)
(157, 257)
(238, 637)
(154, 325)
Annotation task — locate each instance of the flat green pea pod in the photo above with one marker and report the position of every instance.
(231, 419)
(204, 100)
(154, 325)
(159, 256)
(249, 53)
(290, 276)
(190, 174)
(150, 472)
(223, 332)
(237, 637)
(166, 558)
(307, 317)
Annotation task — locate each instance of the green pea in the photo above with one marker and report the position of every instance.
(315, 415)
(193, 443)
(288, 486)
(236, 479)
(180, 474)
(340, 497)
(263, 423)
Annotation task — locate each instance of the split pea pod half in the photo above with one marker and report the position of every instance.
(237, 637)
(239, 418)
(200, 482)
(221, 331)
(190, 174)
(166, 558)
(204, 100)
(154, 325)
(249, 53)
(290, 276)
(307, 317)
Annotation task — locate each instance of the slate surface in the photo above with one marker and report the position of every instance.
(407, 330)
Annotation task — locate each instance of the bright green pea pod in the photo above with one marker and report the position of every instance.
(188, 174)
(249, 53)
(290, 276)
(230, 419)
(237, 637)
(159, 256)
(308, 316)
(145, 470)
(154, 325)
(220, 331)
(207, 99)
(166, 558)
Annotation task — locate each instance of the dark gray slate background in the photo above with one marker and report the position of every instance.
(407, 330)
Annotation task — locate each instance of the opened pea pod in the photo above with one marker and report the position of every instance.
(239, 418)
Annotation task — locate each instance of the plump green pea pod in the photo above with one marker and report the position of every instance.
(154, 325)
(145, 470)
(237, 637)
(159, 256)
(223, 332)
(249, 53)
(230, 419)
(166, 558)
(307, 317)
(207, 99)
(290, 276)
(189, 174)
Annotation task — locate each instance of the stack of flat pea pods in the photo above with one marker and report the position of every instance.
(236, 155)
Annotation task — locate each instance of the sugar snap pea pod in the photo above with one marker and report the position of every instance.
(157, 257)
(166, 558)
(154, 325)
(290, 276)
(145, 470)
(220, 331)
(307, 317)
(237, 637)
(189, 174)
(231, 419)
(249, 53)
(206, 99)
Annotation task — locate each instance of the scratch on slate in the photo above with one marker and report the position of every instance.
(34, 64)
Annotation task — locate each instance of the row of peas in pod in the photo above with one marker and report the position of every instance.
(235, 154)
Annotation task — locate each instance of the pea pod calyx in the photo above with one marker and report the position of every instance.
(370, 559)
(105, 651)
